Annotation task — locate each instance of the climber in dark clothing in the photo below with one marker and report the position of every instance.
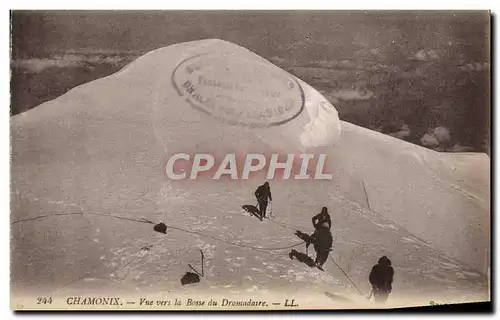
(381, 278)
(322, 219)
(322, 241)
(263, 194)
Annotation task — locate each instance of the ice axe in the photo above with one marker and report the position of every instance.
(270, 209)
(202, 263)
(307, 245)
(305, 237)
(189, 277)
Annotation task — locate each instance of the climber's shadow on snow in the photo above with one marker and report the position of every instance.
(253, 210)
(337, 298)
(302, 257)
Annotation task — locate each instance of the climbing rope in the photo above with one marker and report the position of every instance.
(237, 244)
(348, 278)
(280, 224)
(143, 220)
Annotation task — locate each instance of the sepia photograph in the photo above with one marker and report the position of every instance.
(250, 159)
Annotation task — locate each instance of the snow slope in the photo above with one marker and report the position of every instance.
(441, 198)
(101, 149)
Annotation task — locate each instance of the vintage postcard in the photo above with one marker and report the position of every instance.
(249, 160)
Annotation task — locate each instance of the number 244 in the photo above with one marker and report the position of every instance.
(44, 300)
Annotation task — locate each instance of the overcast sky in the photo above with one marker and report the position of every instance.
(36, 33)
